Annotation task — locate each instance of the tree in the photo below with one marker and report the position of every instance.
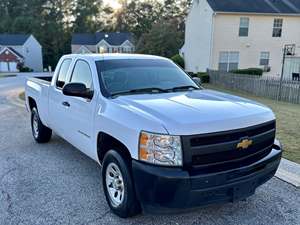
(53, 21)
(164, 39)
(136, 16)
(178, 60)
(87, 16)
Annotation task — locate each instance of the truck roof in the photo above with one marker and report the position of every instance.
(109, 56)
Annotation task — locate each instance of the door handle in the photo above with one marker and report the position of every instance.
(66, 104)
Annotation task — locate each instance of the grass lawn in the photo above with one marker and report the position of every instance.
(22, 96)
(288, 121)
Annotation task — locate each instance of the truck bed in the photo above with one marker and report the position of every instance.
(37, 88)
(44, 80)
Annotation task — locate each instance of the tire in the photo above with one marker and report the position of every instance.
(128, 205)
(40, 132)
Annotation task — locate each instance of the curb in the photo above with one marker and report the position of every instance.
(289, 172)
(288, 177)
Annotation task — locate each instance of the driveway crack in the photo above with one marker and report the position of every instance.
(5, 193)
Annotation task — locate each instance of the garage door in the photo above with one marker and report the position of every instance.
(13, 67)
(3, 66)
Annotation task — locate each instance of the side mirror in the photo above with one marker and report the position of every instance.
(197, 80)
(77, 90)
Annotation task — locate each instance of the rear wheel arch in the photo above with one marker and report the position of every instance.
(106, 142)
(32, 103)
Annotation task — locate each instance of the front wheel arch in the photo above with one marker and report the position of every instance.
(106, 142)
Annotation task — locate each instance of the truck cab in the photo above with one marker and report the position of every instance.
(164, 142)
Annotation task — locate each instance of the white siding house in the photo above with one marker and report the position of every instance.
(103, 42)
(239, 34)
(26, 48)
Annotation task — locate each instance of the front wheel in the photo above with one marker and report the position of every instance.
(118, 185)
(40, 132)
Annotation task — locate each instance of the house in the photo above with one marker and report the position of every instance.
(237, 34)
(103, 42)
(20, 49)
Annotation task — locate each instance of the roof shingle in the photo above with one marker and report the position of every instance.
(256, 6)
(13, 39)
(116, 38)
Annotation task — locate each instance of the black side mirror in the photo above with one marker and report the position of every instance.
(77, 90)
(197, 80)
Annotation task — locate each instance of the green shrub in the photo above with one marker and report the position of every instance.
(249, 71)
(204, 77)
(178, 60)
(22, 68)
(192, 74)
(25, 69)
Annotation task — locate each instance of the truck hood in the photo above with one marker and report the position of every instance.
(197, 112)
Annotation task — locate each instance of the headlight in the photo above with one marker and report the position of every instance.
(160, 149)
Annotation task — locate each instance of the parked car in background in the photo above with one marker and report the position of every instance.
(163, 141)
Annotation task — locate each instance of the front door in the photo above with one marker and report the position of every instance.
(81, 111)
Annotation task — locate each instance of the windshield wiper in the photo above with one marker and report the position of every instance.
(181, 88)
(151, 90)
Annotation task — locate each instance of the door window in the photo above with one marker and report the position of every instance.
(82, 74)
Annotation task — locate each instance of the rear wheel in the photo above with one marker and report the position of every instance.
(40, 132)
(118, 185)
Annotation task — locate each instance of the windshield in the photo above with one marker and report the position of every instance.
(132, 76)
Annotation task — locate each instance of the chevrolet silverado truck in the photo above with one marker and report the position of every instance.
(164, 142)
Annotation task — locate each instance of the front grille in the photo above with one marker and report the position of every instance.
(219, 150)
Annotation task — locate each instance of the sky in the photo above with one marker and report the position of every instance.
(113, 3)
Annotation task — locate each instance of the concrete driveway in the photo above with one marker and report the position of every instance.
(56, 184)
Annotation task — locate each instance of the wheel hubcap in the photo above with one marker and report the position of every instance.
(114, 184)
(35, 126)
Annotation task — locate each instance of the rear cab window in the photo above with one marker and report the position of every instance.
(62, 74)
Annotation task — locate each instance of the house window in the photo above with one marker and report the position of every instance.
(102, 50)
(229, 61)
(277, 27)
(264, 58)
(244, 27)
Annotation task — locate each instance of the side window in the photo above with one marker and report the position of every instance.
(264, 58)
(229, 61)
(82, 74)
(244, 27)
(277, 27)
(62, 74)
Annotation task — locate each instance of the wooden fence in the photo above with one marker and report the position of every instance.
(269, 87)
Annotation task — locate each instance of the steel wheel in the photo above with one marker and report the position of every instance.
(115, 184)
(35, 126)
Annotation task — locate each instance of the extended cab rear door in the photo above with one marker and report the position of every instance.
(57, 108)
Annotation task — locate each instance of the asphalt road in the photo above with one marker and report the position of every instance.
(55, 184)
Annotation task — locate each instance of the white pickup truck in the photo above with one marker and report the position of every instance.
(163, 141)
